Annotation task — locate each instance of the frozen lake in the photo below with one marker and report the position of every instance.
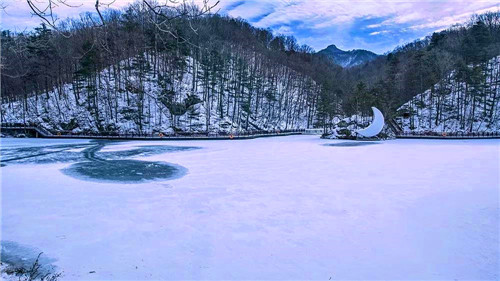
(274, 208)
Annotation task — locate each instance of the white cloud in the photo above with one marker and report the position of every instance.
(379, 32)
(323, 13)
(451, 20)
(284, 30)
(377, 25)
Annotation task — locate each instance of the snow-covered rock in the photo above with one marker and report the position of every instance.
(346, 127)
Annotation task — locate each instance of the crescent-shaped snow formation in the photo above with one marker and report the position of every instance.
(375, 127)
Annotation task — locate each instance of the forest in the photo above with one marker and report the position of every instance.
(214, 73)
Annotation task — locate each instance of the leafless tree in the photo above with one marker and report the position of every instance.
(166, 10)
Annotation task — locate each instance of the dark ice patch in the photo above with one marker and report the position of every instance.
(17, 256)
(43, 154)
(351, 143)
(124, 171)
(143, 151)
(65, 153)
(95, 165)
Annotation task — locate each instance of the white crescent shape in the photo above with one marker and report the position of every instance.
(375, 127)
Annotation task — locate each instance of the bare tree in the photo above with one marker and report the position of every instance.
(166, 10)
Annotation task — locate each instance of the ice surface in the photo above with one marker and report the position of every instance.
(272, 208)
(351, 143)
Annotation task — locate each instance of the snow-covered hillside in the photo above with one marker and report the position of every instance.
(246, 96)
(453, 105)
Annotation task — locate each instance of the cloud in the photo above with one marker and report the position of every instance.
(379, 32)
(284, 30)
(376, 25)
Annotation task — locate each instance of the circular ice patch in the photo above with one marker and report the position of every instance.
(126, 171)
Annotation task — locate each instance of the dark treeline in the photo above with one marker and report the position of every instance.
(236, 72)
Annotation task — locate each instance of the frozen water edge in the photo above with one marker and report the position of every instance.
(276, 208)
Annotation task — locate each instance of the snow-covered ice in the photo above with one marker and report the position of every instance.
(294, 207)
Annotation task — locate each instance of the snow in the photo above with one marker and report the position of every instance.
(4, 276)
(273, 208)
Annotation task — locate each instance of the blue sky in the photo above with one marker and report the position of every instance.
(378, 26)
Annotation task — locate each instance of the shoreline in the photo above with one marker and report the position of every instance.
(166, 138)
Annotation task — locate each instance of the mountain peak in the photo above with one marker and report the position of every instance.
(347, 58)
(333, 47)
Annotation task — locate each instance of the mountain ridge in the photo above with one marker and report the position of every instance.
(349, 58)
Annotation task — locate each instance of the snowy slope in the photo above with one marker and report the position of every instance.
(118, 106)
(453, 106)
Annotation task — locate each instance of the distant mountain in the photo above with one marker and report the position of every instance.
(347, 58)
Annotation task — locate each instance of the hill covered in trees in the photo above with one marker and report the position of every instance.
(207, 74)
(216, 73)
(453, 105)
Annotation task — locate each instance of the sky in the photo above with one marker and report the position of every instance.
(378, 26)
